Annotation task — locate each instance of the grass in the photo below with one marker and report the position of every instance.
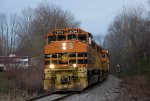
(10, 91)
(141, 69)
(135, 83)
(134, 88)
(18, 84)
(4, 85)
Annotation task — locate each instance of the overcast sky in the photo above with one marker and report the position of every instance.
(94, 15)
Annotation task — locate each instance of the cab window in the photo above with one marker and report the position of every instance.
(51, 38)
(82, 38)
(72, 37)
(61, 37)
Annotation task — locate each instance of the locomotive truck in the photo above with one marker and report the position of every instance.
(73, 60)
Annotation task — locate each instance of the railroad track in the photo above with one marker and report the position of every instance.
(51, 97)
(60, 96)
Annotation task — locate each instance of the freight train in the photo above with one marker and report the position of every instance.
(73, 60)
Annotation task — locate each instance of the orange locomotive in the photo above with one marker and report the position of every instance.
(73, 60)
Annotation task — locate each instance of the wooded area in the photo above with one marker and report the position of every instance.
(24, 34)
(128, 38)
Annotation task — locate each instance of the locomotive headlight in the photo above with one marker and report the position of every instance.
(74, 65)
(64, 47)
(51, 66)
(64, 44)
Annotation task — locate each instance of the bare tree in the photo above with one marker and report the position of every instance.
(25, 34)
(3, 34)
(36, 23)
(126, 37)
(13, 27)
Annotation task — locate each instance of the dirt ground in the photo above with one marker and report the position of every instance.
(136, 88)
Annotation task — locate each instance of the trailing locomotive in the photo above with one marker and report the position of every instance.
(73, 60)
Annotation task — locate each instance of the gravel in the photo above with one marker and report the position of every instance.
(108, 90)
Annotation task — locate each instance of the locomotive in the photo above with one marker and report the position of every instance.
(73, 60)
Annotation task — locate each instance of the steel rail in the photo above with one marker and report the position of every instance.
(38, 97)
(50, 94)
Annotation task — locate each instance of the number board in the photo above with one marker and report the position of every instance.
(73, 31)
(59, 32)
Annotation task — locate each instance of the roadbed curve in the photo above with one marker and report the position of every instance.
(105, 91)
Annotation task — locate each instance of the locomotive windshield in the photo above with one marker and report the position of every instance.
(51, 38)
(71, 36)
(82, 37)
(61, 37)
